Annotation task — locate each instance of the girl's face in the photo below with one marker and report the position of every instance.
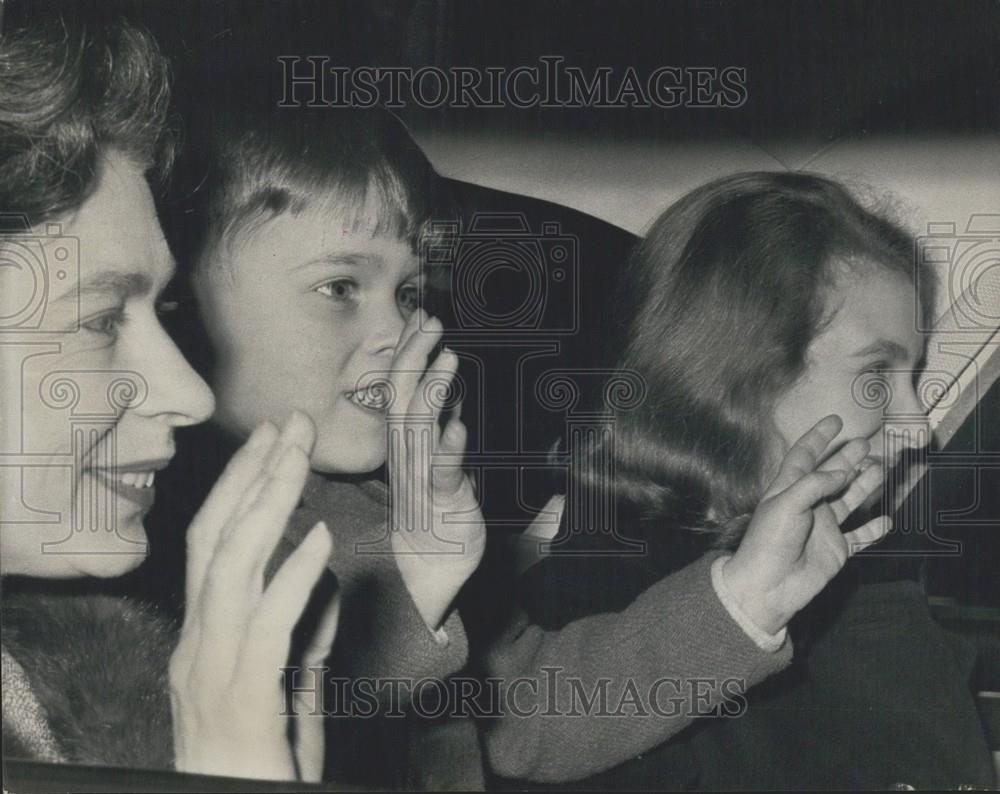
(92, 385)
(862, 366)
(305, 311)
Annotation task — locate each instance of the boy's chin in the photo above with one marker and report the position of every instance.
(346, 456)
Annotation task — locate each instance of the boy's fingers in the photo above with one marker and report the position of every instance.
(805, 454)
(226, 499)
(434, 385)
(864, 485)
(411, 362)
(867, 534)
(447, 473)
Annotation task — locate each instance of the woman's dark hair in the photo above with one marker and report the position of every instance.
(725, 294)
(69, 90)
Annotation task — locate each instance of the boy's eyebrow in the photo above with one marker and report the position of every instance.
(348, 259)
(884, 347)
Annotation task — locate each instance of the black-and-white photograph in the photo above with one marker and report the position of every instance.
(499, 395)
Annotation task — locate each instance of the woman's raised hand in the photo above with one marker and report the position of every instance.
(793, 545)
(437, 529)
(227, 696)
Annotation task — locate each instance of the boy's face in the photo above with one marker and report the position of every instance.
(303, 309)
(862, 366)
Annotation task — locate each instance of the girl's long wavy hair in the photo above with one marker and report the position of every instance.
(725, 294)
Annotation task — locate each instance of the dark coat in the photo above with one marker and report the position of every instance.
(878, 694)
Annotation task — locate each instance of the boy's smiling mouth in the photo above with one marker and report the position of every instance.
(372, 398)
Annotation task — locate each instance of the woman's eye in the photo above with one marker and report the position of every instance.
(342, 289)
(408, 298)
(106, 324)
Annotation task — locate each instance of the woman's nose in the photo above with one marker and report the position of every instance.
(176, 392)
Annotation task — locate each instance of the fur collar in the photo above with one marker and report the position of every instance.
(97, 665)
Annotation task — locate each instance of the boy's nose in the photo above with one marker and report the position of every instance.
(386, 326)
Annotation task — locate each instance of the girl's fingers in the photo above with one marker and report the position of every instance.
(804, 494)
(861, 488)
(867, 534)
(848, 456)
(225, 500)
(806, 453)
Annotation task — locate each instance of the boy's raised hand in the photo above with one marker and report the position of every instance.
(437, 529)
(227, 697)
(793, 545)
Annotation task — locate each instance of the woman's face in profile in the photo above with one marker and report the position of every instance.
(92, 385)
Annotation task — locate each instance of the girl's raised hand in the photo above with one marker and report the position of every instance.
(793, 545)
(437, 529)
(226, 687)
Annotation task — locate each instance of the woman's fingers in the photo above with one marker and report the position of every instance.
(298, 431)
(806, 453)
(268, 639)
(226, 499)
(235, 577)
(867, 534)
(309, 734)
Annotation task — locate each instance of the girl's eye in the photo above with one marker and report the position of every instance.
(106, 324)
(408, 298)
(341, 289)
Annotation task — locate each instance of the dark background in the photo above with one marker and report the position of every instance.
(814, 68)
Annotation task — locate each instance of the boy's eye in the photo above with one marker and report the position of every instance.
(165, 307)
(408, 297)
(341, 289)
